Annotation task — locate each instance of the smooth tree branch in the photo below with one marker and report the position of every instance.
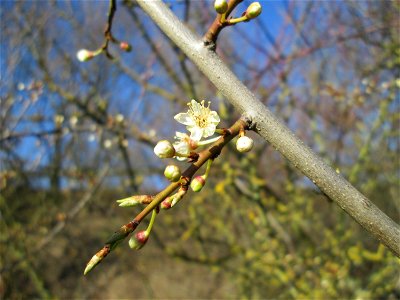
(337, 188)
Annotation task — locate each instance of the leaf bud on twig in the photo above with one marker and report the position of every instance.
(166, 204)
(244, 144)
(172, 173)
(135, 200)
(164, 149)
(178, 196)
(92, 263)
(253, 11)
(96, 259)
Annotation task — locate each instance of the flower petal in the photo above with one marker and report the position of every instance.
(209, 130)
(184, 119)
(181, 158)
(181, 148)
(213, 117)
(180, 135)
(196, 133)
(196, 107)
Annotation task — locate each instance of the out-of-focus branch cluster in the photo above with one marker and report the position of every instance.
(85, 55)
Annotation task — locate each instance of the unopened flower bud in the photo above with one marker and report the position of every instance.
(166, 204)
(125, 46)
(164, 149)
(135, 200)
(84, 55)
(253, 10)
(244, 144)
(221, 6)
(172, 173)
(139, 240)
(197, 183)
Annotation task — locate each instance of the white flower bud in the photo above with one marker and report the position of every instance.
(253, 10)
(221, 6)
(84, 55)
(244, 144)
(164, 149)
(172, 173)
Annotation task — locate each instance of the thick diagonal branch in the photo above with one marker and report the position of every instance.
(272, 130)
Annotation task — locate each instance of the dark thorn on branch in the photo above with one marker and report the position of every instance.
(193, 157)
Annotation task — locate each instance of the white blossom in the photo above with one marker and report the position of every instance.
(199, 120)
(183, 145)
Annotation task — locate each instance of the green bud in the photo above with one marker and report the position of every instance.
(172, 173)
(164, 149)
(221, 6)
(95, 260)
(197, 183)
(253, 11)
(138, 240)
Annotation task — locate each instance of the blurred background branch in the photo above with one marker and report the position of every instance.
(328, 71)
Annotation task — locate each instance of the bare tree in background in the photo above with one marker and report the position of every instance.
(75, 137)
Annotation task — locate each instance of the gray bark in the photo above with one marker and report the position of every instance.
(376, 222)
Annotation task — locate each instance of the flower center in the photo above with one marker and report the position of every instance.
(200, 116)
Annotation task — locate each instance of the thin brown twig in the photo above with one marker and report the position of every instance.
(210, 153)
(107, 32)
(211, 36)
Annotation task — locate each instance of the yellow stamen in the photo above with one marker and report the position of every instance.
(201, 118)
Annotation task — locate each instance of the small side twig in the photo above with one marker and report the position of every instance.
(107, 32)
(211, 36)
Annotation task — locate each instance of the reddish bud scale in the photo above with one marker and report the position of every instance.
(200, 179)
(197, 183)
(166, 204)
(142, 237)
(137, 241)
